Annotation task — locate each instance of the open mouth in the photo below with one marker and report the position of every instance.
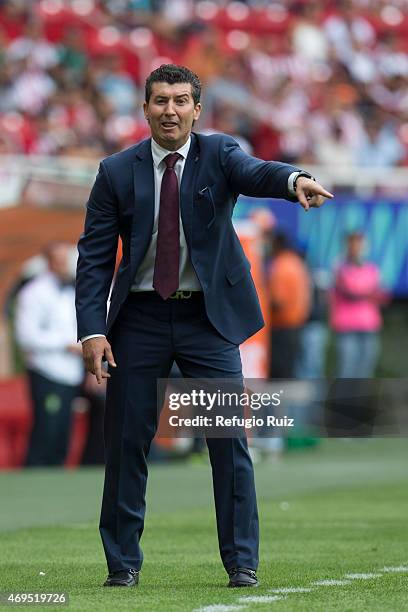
(168, 125)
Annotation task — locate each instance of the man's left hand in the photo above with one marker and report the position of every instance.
(310, 193)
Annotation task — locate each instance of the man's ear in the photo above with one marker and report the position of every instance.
(197, 111)
(145, 112)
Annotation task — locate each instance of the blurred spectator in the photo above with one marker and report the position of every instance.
(290, 107)
(14, 16)
(309, 39)
(347, 29)
(311, 362)
(115, 84)
(336, 128)
(380, 146)
(46, 332)
(31, 88)
(72, 55)
(229, 121)
(204, 55)
(3, 46)
(229, 90)
(33, 46)
(6, 92)
(355, 312)
(271, 60)
(266, 221)
(307, 407)
(178, 12)
(289, 294)
(333, 150)
(391, 94)
(391, 55)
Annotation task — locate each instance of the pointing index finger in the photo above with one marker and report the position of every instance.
(320, 190)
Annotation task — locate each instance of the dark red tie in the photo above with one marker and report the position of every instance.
(166, 264)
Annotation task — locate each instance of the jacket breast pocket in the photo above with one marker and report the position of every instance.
(207, 208)
(237, 272)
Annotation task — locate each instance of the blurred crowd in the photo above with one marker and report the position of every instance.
(319, 82)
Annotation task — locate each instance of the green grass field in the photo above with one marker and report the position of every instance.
(337, 509)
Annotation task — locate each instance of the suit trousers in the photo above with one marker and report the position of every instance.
(148, 336)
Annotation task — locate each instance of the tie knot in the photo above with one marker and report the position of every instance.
(171, 160)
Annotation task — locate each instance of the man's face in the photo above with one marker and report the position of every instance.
(170, 113)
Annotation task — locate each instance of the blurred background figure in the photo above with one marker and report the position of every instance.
(289, 294)
(311, 361)
(46, 333)
(265, 220)
(355, 312)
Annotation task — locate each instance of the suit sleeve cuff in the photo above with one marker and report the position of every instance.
(92, 336)
(291, 182)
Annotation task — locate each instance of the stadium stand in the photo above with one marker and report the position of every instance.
(311, 79)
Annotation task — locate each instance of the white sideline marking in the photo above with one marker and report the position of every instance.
(331, 582)
(260, 599)
(219, 608)
(286, 590)
(362, 576)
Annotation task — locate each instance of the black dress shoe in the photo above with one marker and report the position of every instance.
(242, 577)
(123, 578)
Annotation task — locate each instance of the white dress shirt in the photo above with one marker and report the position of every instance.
(45, 325)
(144, 274)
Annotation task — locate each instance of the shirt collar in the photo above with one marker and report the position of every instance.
(158, 153)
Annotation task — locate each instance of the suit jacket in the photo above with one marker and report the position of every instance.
(121, 203)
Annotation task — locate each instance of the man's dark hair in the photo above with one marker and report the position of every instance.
(170, 73)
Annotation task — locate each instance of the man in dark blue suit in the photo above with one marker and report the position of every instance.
(183, 293)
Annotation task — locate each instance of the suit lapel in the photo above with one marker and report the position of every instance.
(143, 217)
(187, 188)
